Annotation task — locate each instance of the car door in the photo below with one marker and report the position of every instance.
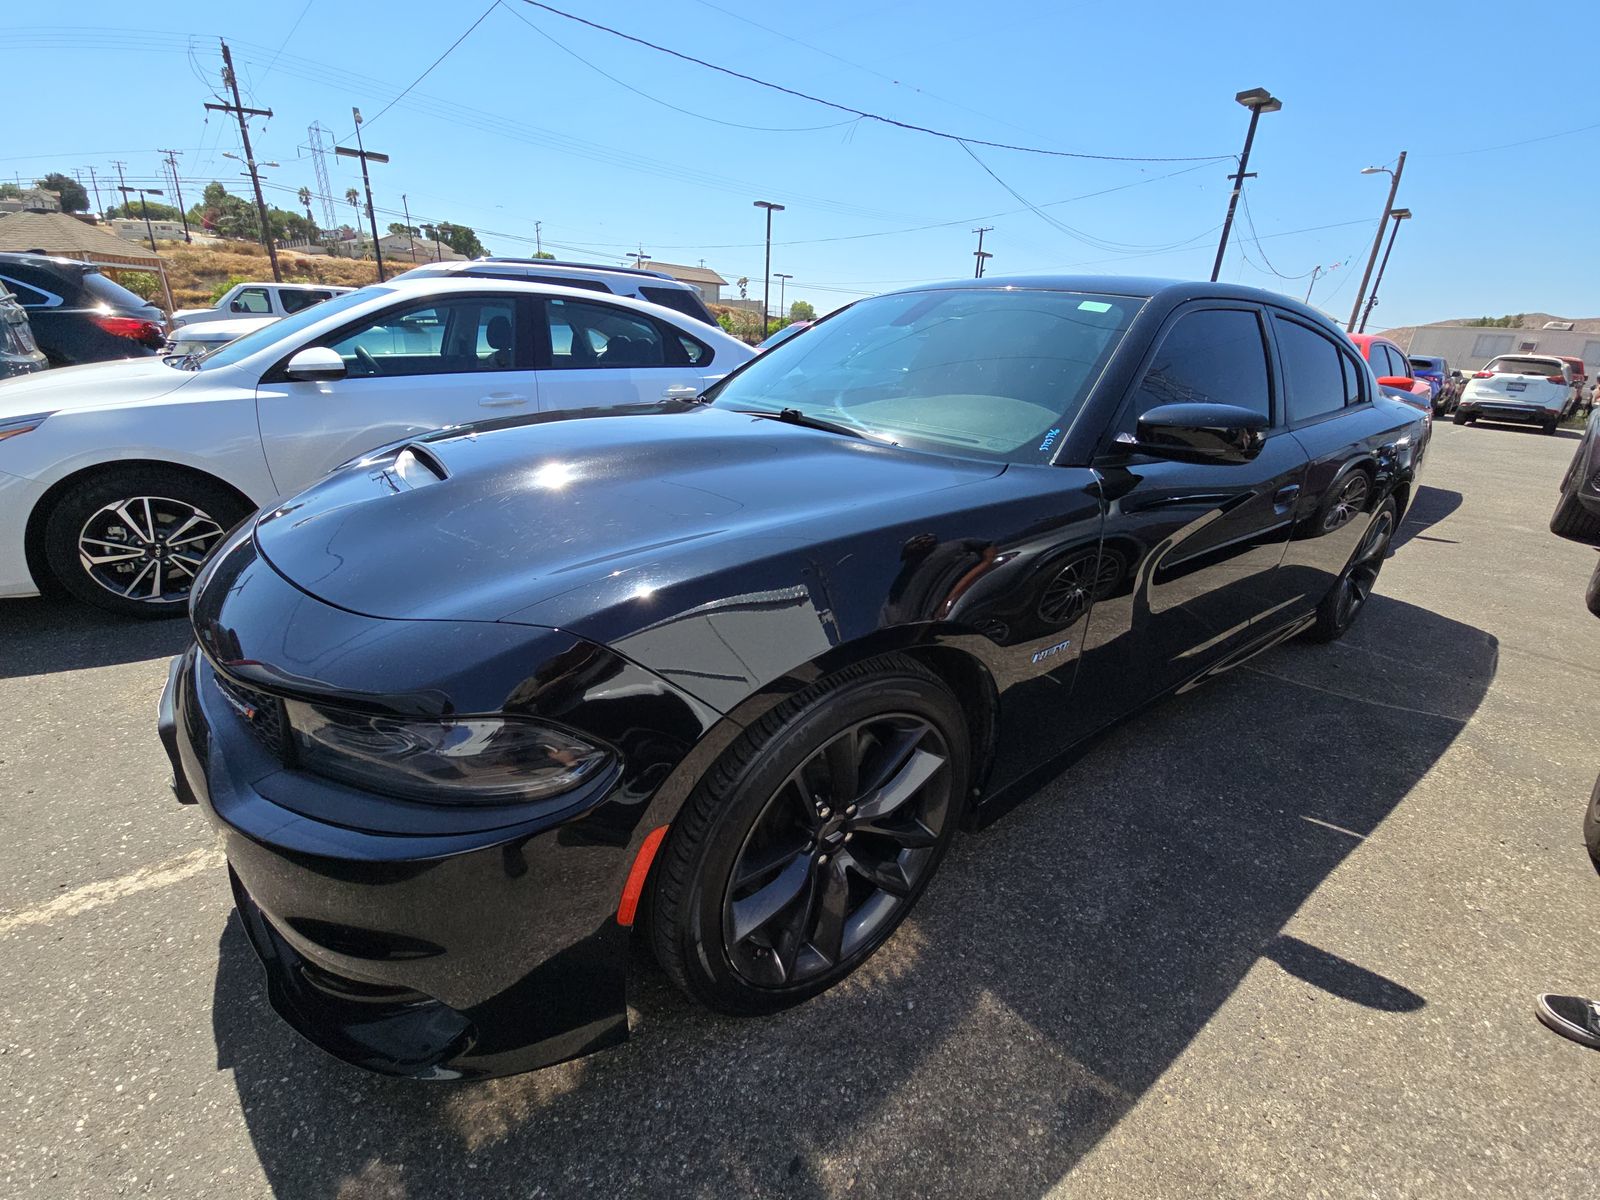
(416, 366)
(1193, 548)
(598, 355)
(1352, 450)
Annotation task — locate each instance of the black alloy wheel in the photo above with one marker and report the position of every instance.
(1350, 591)
(837, 850)
(1090, 575)
(1349, 502)
(132, 541)
(805, 846)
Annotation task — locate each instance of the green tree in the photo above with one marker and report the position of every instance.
(10, 191)
(462, 239)
(802, 310)
(73, 196)
(132, 211)
(399, 229)
(290, 226)
(543, 254)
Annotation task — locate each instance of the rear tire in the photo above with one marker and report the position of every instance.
(130, 540)
(744, 922)
(1348, 596)
(1460, 418)
(1591, 826)
(1550, 427)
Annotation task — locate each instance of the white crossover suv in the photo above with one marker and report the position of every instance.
(117, 478)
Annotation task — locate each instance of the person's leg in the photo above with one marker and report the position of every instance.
(1573, 1017)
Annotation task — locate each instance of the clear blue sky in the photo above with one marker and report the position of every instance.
(515, 127)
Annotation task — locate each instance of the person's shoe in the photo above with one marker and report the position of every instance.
(1573, 1017)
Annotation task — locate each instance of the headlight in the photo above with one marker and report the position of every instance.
(465, 760)
(16, 426)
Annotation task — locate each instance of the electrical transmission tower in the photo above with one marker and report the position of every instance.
(319, 155)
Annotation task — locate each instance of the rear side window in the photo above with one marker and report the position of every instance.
(597, 336)
(680, 299)
(28, 297)
(294, 301)
(107, 291)
(1315, 380)
(1212, 356)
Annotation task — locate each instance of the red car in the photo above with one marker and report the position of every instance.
(1393, 369)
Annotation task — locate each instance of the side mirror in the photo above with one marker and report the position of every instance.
(315, 362)
(1207, 433)
(236, 306)
(1403, 382)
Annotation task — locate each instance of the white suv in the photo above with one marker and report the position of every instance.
(244, 300)
(117, 478)
(654, 286)
(1528, 388)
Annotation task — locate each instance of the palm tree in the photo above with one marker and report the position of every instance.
(354, 198)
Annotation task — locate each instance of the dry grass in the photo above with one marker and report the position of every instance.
(195, 271)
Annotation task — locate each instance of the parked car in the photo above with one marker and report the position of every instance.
(19, 353)
(1526, 388)
(1581, 397)
(1577, 518)
(783, 335)
(1435, 372)
(201, 337)
(244, 301)
(116, 480)
(1390, 364)
(655, 286)
(473, 706)
(77, 314)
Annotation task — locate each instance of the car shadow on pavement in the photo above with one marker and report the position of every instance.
(1428, 507)
(49, 634)
(1530, 430)
(1059, 963)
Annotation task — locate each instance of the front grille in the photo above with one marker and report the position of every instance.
(261, 713)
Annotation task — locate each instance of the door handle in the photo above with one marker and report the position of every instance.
(502, 400)
(681, 392)
(1283, 499)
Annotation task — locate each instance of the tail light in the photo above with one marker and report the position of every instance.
(137, 328)
(1556, 378)
(1483, 374)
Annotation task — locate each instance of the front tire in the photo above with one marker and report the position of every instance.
(1344, 602)
(809, 841)
(131, 540)
(1460, 418)
(1591, 826)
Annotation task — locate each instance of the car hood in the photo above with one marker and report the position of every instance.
(550, 522)
(123, 380)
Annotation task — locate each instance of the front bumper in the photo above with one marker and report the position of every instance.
(17, 498)
(447, 943)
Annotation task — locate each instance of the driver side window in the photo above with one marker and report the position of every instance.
(441, 337)
(1208, 356)
(253, 301)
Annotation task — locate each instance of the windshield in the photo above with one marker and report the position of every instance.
(1525, 366)
(986, 372)
(285, 328)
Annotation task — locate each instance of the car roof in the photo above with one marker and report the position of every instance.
(26, 258)
(552, 265)
(1171, 291)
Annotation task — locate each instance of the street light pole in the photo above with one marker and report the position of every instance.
(1377, 238)
(783, 281)
(766, 281)
(1399, 214)
(1258, 101)
(144, 210)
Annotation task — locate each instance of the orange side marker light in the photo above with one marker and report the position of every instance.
(634, 888)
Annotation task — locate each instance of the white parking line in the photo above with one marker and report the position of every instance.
(94, 895)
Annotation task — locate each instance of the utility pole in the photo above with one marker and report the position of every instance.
(1258, 101)
(1377, 238)
(538, 237)
(122, 183)
(977, 271)
(410, 240)
(95, 183)
(1315, 271)
(783, 281)
(238, 109)
(177, 191)
(364, 154)
(1399, 214)
(766, 279)
(144, 210)
(639, 258)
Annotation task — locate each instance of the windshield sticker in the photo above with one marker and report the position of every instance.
(1094, 306)
(1049, 440)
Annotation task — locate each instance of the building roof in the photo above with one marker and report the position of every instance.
(57, 233)
(686, 274)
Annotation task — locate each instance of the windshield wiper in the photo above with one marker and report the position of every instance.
(795, 417)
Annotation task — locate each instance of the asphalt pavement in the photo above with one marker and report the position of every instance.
(1278, 937)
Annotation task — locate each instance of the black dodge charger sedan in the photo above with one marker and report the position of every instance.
(733, 671)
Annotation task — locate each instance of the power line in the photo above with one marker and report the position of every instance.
(858, 112)
(1256, 238)
(435, 62)
(292, 30)
(667, 104)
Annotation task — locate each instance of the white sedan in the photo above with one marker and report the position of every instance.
(116, 479)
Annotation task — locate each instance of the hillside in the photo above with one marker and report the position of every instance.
(195, 271)
(1403, 334)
